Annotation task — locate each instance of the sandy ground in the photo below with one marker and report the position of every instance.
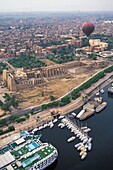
(56, 88)
(48, 62)
(1, 112)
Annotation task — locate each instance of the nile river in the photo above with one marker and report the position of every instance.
(101, 155)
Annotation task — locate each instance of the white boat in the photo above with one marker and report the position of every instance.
(41, 127)
(89, 146)
(84, 137)
(84, 127)
(80, 147)
(82, 152)
(97, 94)
(35, 130)
(71, 139)
(61, 117)
(51, 125)
(86, 145)
(74, 114)
(81, 136)
(45, 125)
(84, 155)
(90, 139)
(87, 130)
(55, 120)
(102, 91)
(62, 126)
(78, 144)
(80, 113)
(85, 140)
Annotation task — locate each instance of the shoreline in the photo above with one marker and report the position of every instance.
(45, 116)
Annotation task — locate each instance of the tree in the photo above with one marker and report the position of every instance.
(65, 100)
(52, 98)
(1, 103)
(12, 118)
(27, 116)
(6, 106)
(2, 122)
(7, 97)
(11, 128)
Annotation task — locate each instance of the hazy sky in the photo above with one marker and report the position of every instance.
(56, 5)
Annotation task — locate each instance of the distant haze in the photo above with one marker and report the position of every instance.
(55, 5)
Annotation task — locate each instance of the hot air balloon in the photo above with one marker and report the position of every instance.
(88, 28)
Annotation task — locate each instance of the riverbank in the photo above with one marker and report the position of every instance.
(45, 116)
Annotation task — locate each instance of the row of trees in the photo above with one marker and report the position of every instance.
(13, 119)
(9, 129)
(64, 101)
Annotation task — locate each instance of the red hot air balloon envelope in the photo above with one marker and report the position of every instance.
(88, 28)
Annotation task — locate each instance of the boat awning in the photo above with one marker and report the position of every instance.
(9, 167)
(19, 141)
(6, 159)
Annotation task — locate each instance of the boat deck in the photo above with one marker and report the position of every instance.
(26, 152)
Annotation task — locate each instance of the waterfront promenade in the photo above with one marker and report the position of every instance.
(45, 116)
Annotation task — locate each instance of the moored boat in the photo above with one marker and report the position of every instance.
(71, 139)
(102, 91)
(55, 120)
(84, 155)
(28, 152)
(101, 107)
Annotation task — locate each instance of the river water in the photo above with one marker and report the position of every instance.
(101, 155)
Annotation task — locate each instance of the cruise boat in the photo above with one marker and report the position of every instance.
(101, 107)
(27, 153)
(71, 139)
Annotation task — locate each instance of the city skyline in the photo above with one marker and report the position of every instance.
(55, 5)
